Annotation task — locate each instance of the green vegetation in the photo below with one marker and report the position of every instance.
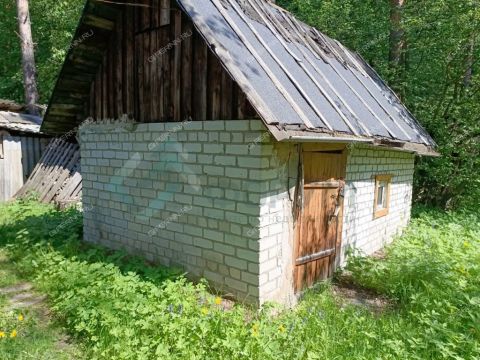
(53, 25)
(121, 308)
(29, 333)
(440, 79)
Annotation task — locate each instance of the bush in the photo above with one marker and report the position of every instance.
(122, 308)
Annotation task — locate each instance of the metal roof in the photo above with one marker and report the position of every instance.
(299, 78)
(303, 84)
(20, 122)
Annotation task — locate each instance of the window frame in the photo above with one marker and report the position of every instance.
(381, 212)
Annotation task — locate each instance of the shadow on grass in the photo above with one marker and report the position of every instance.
(30, 226)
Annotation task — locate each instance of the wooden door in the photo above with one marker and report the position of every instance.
(318, 229)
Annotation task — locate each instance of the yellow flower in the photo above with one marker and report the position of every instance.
(466, 244)
(255, 330)
(281, 328)
(204, 311)
(13, 334)
(20, 317)
(2, 334)
(218, 300)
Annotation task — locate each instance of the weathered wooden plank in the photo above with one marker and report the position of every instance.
(99, 22)
(140, 112)
(25, 157)
(159, 101)
(187, 53)
(119, 110)
(146, 14)
(164, 12)
(147, 102)
(51, 172)
(129, 71)
(166, 74)
(91, 100)
(105, 88)
(176, 64)
(155, 14)
(62, 176)
(227, 94)
(155, 83)
(40, 171)
(214, 91)
(48, 181)
(200, 76)
(55, 171)
(111, 102)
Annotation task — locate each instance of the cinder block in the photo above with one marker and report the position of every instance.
(237, 125)
(213, 148)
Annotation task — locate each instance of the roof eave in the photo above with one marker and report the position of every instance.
(302, 137)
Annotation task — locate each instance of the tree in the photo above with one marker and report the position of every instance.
(398, 46)
(28, 57)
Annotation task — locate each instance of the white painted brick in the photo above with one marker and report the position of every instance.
(253, 162)
(154, 171)
(238, 125)
(216, 125)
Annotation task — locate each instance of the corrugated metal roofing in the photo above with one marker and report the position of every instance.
(299, 76)
(301, 82)
(20, 122)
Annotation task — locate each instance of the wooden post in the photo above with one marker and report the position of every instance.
(28, 57)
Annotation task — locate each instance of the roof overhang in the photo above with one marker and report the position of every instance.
(303, 137)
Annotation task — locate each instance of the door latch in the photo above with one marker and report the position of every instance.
(340, 196)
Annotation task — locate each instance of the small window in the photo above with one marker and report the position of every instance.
(382, 195)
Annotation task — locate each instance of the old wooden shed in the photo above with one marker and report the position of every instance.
(258, 149)
(21, 146)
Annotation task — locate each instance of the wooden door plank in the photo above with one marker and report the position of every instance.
(317, 232)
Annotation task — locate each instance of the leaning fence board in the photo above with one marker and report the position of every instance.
(56, 177)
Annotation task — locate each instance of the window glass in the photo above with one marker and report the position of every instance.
(382, 195)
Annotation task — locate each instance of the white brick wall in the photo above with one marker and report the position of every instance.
(215, 198)
(360, 230)
(197, 195)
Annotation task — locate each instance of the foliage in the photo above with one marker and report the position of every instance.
(29, 333)
(29, 338)
(53, 25)
(432, 273)
(439, 34)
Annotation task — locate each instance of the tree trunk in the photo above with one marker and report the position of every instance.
(398, 46)
(469, 61)
(28, 57)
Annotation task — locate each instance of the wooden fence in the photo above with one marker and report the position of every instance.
(56, 178)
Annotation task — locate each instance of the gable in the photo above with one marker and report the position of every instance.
(156, 67)
(300, 82)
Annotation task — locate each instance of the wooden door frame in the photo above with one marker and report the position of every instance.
(342, 150)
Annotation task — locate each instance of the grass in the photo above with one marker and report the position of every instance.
(36, 336)
(119, 307)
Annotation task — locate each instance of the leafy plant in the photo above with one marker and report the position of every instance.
(123, 308)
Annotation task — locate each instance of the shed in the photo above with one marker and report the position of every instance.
(252, 149)
(21, 146)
